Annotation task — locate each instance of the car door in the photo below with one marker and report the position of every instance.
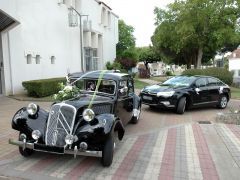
(213, 88)
(124, 108)
(201, 94)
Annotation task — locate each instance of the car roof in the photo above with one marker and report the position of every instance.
(110, 75)
(199, 76)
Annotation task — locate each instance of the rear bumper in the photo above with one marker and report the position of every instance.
(55, 150)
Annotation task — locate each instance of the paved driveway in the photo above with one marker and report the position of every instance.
(163, 145)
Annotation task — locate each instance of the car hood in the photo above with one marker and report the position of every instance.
(160, 87)
(85, 100)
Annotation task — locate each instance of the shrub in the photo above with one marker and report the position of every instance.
(114, 65)
(221, 73)
(169, 73)
(43, 87)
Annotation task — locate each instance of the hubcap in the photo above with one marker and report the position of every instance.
(224, 101)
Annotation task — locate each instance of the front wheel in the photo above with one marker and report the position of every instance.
(24, 152)
(181, 105)
(223, 101)
(107, 153)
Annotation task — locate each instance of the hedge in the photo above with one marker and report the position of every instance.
(220, 73)
(43, 87)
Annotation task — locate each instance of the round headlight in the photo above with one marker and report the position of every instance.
(69, 139)
(36, 134)
(88, 115)
(32, 109)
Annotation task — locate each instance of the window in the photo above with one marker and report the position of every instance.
(109, 19)
(201, 82)
(91, 58)
(38, 57)
(53, 59)
(29, 59)
(213, 82)
(130, 87)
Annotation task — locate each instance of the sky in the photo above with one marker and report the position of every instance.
(139, 14)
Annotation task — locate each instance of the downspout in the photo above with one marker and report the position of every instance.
(10, 64)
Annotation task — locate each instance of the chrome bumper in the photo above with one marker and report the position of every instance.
(66, 151)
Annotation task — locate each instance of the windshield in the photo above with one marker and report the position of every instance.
(90, 85)
(179, 81)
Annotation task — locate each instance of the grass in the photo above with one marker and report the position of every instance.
(235, 92)
(160, 78)
(139, 84)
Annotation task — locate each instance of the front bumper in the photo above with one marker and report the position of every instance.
(153, 100)
(55, 150)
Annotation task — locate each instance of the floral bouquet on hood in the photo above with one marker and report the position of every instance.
(67, 92)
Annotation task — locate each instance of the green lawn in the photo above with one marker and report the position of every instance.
(235, 92)
(160, 78)
(139, 84)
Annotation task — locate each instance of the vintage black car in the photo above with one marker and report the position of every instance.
(85, 124)
(183, 92)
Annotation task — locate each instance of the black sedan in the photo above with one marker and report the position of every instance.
(183, 92)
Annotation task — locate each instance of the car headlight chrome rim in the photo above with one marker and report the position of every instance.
(36, 134)
(88, 115)
(32, 109)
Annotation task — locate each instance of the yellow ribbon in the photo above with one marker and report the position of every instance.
(96, 90)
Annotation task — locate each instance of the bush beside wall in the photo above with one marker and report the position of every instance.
(220, 73)
(43, 87)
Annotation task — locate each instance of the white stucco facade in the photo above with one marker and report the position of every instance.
(234, 65)
(40, 43)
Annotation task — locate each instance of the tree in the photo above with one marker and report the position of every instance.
(148, 55)
(126, 38)
(190, 30)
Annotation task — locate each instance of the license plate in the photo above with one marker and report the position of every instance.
(147, 97)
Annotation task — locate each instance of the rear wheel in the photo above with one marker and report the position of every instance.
(24, 152)
(107, 153)
(181, 105)
(223, 101)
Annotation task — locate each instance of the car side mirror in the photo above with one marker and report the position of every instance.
(197, 90)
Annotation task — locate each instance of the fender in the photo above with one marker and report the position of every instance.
(24, 123)
(136, 101)
(112, 124)
(107, 123)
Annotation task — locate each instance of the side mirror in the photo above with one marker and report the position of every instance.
(197, 90)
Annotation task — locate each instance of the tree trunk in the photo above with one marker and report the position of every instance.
(199, 58)
(146, 64)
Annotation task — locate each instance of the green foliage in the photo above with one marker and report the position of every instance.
(220, 73)
(192, 30)
(126, 37)
(128, 59)
(115, 65)
(147, 54)
(43, 87)
(66, 93)
(169, 73)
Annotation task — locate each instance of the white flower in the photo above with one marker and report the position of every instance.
(68, 88)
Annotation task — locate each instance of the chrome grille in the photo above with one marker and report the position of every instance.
(60, 123)
(101, 109)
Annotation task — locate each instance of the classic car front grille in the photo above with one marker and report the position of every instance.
(101, 109)
(60, 123)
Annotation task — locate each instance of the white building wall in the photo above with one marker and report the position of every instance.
(234, 65)
(44, 31)
(107, 30)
